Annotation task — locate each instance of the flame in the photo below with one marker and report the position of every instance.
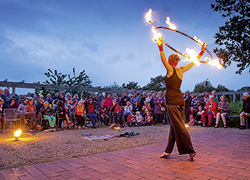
(195, 37)
(17, 133)
(156, 34)
(148, 16)
(193, 55)
(214, 62)
(170, 25)
(187, 126)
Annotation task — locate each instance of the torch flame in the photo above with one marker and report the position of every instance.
(193, 55)
(156, 34)
(148, 16)
(214, 62)
(17, 133)
(170, 25)
(195, 37)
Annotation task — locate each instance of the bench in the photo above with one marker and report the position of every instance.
(246, 119)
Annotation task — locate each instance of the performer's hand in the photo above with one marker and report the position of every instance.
(159, 42)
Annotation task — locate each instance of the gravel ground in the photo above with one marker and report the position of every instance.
(48, 146)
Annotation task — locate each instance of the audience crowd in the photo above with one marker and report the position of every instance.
(70, 111)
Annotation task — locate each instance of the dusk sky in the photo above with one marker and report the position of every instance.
(110, 39)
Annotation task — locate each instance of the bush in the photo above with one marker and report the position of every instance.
(235, 109)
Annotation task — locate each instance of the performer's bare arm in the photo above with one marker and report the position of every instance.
(164, 59)
(187, 67)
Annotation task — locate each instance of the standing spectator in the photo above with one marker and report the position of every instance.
(159, 108)
(135, 98)
(56, 96)
(149, 97)
(124, 100)
(143, 98)
(215, 96)
(210, 111)
(223, 111)
(99, 99)
(187, 99)
(61, 97)
(245, 112)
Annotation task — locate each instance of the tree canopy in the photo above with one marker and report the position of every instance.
(234, 37)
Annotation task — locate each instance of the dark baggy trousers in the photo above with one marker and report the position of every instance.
(178, 132)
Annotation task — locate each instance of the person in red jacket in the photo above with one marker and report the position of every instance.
(91, 112)
(116, 112)
(210, 111)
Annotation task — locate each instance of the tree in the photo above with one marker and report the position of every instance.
(221, 88)
(205, 86)
(234, 36)
(157, 84)
(131, 85)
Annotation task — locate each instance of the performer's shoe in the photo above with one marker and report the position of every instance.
(191, 156)
(164, 155)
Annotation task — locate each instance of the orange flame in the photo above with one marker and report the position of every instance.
(148, 16)
(170, 25)
(214, 62)
(195, 37)
(193, 55)
(156, 34)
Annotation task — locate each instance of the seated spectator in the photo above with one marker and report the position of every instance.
(79, 111)
(245, 112)
(136, 107)
(149, 119)
(30, 113)
(91, 112)
(116, 112)
(198, 115)
(216, 99)
(191, 112)
(146, 108)
(63, 116)
(139, 118)
(191, 121)
(2, 107)
(13, 103)
(39, 105)
(103, 114)
(127, 110)
(223, 111)
(49, 99)
(8, 97)
(195, 102)
(131, 120)
(49, 114)
(210, 111)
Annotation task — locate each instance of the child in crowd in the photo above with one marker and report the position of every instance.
(131, 119)
(48, 113)
(139, 118)
(103, 114)
(198, 115)
(149, 119)
(192, 121)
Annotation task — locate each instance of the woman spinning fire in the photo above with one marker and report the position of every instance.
(175, 103)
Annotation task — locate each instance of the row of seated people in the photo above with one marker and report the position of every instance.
(215, 110)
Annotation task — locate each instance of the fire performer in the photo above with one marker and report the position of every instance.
(175, 103)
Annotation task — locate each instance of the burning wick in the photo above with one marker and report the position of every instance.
(187, 126)
(117, 128)
(17, 134)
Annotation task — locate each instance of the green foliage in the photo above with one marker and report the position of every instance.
(157, 84)
(234, 36)
(113, 86)
(205, 86)
(235, 108)
(221, 88)
(131, 85)
(246, 88)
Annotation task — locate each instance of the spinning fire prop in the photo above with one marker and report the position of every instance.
(172, 27)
